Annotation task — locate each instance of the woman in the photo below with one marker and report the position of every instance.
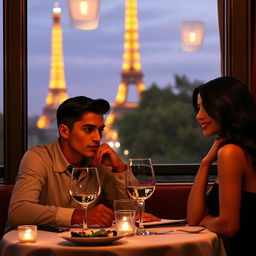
(225, 108)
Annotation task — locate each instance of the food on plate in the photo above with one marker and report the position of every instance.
(99, 233)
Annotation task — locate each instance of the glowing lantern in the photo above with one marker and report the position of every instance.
(84, 14)
(192, 35)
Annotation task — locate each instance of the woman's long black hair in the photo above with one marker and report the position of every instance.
(230, 103)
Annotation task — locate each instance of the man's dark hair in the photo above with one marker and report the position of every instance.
(72, 109)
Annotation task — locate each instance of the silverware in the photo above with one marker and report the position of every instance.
(148, 233)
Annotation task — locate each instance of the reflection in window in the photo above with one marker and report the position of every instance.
(163, 125)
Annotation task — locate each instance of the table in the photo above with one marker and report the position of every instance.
(205, 243)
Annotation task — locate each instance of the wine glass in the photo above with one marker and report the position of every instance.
(85, 188)
(140, 183)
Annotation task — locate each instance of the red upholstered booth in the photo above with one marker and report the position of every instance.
(5, 194)
(169, 201)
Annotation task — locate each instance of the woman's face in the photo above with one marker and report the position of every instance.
(209, 125)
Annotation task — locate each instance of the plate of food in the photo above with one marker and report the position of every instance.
(91, 237)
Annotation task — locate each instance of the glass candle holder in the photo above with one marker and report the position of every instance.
(27, 233)
(125, 221)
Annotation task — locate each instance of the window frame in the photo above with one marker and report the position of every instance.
(14, 85)
(235, 30)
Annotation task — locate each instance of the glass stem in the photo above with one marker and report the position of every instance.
(85, 226)
(141, 204)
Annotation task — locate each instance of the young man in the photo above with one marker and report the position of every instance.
(41, 193)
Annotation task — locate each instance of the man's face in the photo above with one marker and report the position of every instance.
(84, 139)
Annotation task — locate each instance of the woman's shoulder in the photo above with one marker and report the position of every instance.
(232, 162)
(232, 151)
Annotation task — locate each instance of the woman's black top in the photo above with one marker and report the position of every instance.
(244, 242)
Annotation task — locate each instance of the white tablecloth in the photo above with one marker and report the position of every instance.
(205, 243)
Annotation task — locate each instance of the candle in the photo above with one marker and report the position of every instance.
(27, 233)
(126, 226)
(125, 221)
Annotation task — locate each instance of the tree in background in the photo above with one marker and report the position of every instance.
(163, 126)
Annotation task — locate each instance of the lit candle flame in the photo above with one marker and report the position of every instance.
(27, 235)
(84, 7)
(192, 36)
(126, 225)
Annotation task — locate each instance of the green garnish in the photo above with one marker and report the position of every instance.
(99, 233)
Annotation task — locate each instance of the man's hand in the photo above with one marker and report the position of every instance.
(99, 215)
(107, 156)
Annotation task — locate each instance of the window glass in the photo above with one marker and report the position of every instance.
(163, 127)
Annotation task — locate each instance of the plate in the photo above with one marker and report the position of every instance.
(89, 240)
(164, 222)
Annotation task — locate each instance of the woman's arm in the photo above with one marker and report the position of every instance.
(231, 165)
(196, 208)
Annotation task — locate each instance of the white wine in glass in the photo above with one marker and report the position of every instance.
(140, 182)
(85, 188)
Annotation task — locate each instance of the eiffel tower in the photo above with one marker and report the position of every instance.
(131, 71)
(57, 85)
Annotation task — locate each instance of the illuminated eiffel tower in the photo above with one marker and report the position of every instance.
(57, 85)
(131, 71)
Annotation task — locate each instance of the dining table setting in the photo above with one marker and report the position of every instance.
(129, 234)
(161, 240)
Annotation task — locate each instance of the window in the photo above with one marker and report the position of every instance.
(93, 62)
(15, 38)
